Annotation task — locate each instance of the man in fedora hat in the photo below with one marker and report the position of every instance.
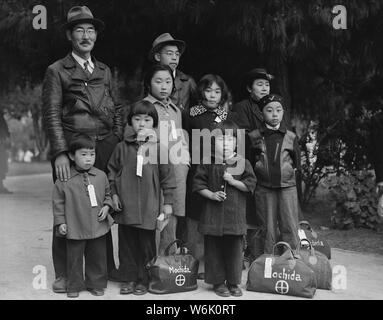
(168, 51)
(77, 98)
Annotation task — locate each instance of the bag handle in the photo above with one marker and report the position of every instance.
(282, 243)
(177, 241)
(305, 223)
(312, 250)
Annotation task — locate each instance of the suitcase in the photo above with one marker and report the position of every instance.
(318, 262)
(173, 273)
(285, 274)
(306, 232)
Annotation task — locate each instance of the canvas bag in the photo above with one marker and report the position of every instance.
(173, 273)
(285, 274)
(318, 262)
(306, 232)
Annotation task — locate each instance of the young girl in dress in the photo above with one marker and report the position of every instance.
(224, 184)
(211, 110)
(158, 86)
(136, 179)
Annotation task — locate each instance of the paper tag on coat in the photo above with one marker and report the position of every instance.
(92, 195)
(268, 268)
(173, 129)
(217, 119)
(140, 162)
(301, 234)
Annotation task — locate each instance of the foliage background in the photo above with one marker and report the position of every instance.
(331, 79)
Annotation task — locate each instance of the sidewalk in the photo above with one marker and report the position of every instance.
(25, 242)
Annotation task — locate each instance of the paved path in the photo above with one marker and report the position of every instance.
(25, 242)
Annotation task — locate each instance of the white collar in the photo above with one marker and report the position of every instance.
(273, 128)
(81, 61)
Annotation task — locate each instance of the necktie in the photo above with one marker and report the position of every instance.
(88, 73)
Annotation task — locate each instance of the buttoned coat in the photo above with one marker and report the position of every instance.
(72, 206)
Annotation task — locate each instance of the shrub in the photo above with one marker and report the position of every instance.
(355, 200)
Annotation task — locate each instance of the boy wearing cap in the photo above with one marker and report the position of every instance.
(77, 99)
(277, 159)
(168, 51)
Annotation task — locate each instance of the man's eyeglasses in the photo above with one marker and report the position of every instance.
(81, 32)
(171, 53)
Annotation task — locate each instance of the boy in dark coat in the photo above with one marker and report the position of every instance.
(81, 214)
(277, 158)
(224, 185)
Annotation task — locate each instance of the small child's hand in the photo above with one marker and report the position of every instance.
(103, 213)
(145, 133)
(228, 177)
(63, 229)
(168, 210)
(218, 196)
(117, 206)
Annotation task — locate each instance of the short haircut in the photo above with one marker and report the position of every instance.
(152, 70)
(143, 107)
(81, 141)
(206, 81)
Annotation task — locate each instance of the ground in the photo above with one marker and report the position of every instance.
(25, 233)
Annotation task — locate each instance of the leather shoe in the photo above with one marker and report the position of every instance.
(72, 294)
(96, 292)
(140, 289)
(234, 290)
(221, 290)
(127, 287)
(59, 285)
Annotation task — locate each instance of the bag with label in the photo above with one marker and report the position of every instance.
(173, 273)
(285, 274)
(306, 232)
(318, 262)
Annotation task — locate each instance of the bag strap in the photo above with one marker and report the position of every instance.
(177, 241)
(305, 223)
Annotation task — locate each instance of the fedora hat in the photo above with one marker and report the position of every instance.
(163, 40)
(257, 73)
(82, 14)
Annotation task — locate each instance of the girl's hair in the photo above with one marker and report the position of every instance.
(149, 74)
(206, 81)
(81, 141)
(143, 107)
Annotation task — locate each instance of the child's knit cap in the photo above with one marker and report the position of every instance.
(270, 98)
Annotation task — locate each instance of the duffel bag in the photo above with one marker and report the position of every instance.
(173, 273)
(306, 232)
(285, 274)
(318, 262)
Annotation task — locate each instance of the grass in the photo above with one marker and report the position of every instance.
(364, 240)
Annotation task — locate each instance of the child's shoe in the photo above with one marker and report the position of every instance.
(74, 294)
(221, 290)
(59, 285)
(140, 289)
(234, 290)
(96, 292)
(127, 287)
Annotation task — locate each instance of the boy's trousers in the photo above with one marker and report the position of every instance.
(223, 259)
(104, 149)
(278, 208)
(94, 251)
(136, 247)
